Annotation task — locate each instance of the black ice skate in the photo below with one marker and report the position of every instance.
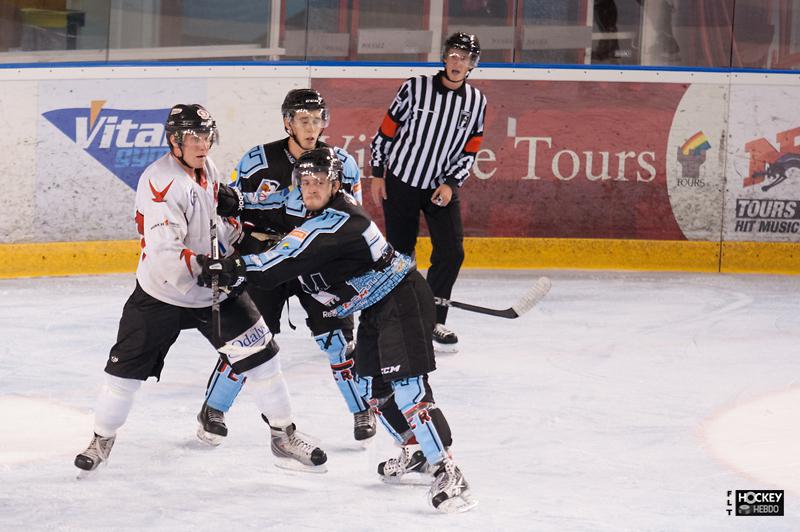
(364, 425)
(449, 492)
(95, 455)
(211, 425)
(444, 340)
(410, 467)
(294, 451)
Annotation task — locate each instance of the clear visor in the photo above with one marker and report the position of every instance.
(456, 55)
(312, 175)
(317, 118)
(198, 137)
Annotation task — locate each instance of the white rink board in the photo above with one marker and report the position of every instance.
(62, 192)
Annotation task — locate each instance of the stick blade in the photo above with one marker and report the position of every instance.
(535, 294)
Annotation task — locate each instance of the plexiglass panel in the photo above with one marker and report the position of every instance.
(757, 34)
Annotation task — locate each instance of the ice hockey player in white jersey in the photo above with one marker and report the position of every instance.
(175, 216)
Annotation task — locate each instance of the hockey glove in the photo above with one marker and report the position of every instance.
(232, 271)
(230, 201)
(254, 242)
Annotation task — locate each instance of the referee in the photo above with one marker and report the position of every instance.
(421, 155)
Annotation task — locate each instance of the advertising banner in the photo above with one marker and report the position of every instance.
(573, 159)
(95, 138)
(762, 197)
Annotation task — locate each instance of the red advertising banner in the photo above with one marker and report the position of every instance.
(569, 159)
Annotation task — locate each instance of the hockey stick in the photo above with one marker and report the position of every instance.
(525, 303)
(216, 321)
(216, 326)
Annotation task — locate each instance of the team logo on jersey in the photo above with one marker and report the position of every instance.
(159, 195)
(125, 141)
(464, 119)
(267, 187)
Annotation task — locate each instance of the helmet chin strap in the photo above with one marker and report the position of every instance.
(180, 158)
(198, 173)
(293, 136)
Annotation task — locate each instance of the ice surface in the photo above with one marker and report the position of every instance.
(623, 401)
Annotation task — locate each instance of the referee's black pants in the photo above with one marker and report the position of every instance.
(401, 212)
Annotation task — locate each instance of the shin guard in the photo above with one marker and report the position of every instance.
(379, 397)
(223, 387)
(114, 403)
(340, 355)
(414, 399)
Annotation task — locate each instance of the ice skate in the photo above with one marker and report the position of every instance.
(444, 340)
(294, 451)
(410, 467)
(95, 455)
(450, 492)
(364, 426)
(211, 425)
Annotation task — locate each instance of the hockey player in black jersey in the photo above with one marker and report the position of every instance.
(264, 169)
(345, 263)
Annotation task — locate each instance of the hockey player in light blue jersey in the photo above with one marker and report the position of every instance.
(345, 263)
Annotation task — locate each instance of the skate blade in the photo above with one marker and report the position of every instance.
(291, 464)
(412, 478)
(464, 502)
(88, 475)
(445, 348)
(85, 475)
(209, 438)
(366, 443)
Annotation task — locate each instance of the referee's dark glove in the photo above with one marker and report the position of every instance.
(231, 271)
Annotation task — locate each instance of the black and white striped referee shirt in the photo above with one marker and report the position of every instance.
(431, 134)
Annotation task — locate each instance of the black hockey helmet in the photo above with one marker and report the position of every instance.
(190, 119)
(304, 100)
(464, 41)
(318, 161)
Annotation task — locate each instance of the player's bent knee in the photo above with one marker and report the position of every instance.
(265, 371)
(251, 361)
(121, 386)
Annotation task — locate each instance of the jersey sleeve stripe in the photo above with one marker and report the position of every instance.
(473, 144)
(388, 127)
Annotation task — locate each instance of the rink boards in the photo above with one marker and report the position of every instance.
(579, 167)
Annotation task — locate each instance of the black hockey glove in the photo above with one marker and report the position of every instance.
(254, 242)
(232, 271)
(230, 201)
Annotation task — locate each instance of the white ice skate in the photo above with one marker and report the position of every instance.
(410, 467)
(294, 450)
(450, 492)
(95, 455)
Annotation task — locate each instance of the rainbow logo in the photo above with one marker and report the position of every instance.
(696, 144)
